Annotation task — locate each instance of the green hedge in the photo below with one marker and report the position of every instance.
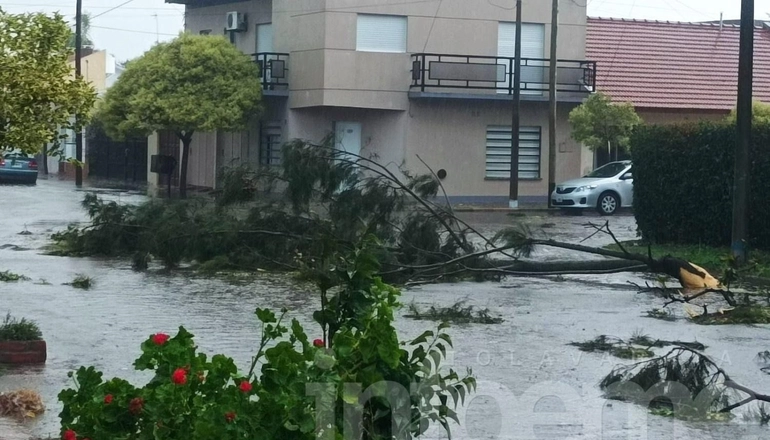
(683, 177)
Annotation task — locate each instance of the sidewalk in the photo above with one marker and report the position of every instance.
(523, 208)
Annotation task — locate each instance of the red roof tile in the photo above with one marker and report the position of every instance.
(674, 65)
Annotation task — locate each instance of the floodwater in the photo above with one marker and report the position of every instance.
(531, 384)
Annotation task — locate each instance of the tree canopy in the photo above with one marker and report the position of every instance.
(193, 83)
(39, 93)
(760, 113)
(598, 123)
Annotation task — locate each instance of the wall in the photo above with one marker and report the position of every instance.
(201, 167)
(383, 133)
(214, 18)
(327, 70)
(451, 134)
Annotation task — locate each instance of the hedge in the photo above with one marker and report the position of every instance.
(683, 178)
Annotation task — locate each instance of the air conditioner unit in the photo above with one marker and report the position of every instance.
(236, 22)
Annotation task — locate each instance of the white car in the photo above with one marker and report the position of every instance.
(606, 189)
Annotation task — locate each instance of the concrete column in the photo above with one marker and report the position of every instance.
(153, 179)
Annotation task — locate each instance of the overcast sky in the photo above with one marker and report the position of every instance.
(131, 29)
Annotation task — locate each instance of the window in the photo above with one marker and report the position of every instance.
(265, 38)
(499, 152)
(381, 33)
(532, 46)
(205, 32)
(270, 143)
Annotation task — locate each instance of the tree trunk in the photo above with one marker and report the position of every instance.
(186, 140)
(45, 160)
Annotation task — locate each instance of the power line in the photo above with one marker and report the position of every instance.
(48, 5)
(111, 9)
(133, 30)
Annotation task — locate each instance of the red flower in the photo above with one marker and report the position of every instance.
(319, 343)
(245, 386)
(159, 338)
(179, 377)
(230, 416)
(108, 399)
(135, 406)
(70, 435)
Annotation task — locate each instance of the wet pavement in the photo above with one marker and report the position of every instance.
(531, 384)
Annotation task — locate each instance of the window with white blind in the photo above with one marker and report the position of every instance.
(381, 33)
(532, 46)
(264, 38)
(499, 152)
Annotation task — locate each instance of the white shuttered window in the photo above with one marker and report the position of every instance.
(532, 46)
(381, 33)
(264, 38)
(499, 152)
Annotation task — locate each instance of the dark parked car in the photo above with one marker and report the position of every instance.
(18, 168)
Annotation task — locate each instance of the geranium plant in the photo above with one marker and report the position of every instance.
(359, 380)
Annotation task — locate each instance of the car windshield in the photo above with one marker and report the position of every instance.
(609, 170)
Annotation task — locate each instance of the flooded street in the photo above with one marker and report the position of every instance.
(531, 384)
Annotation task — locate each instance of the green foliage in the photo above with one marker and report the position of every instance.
(683, 179)
(744, 314)
(193, 83)
(760, 113)
(39, 95)
(637, 346)
(662, 314)
(598, 122)
(332, 202)
(85, 33)
(457, 313)
(688, 384)
(301, 390)
(711, 258)
(82, 282)
(13, 329)
(8, 276)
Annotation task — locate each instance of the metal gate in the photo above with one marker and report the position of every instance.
(116, 160)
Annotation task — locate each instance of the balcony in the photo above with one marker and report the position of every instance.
(437, 75)
(274, 72)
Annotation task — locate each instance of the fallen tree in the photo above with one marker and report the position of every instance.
(684, 381)
(327, 201)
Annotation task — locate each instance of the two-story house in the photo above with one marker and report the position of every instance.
(401, 79)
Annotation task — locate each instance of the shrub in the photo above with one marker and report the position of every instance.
(683, 178)
(14, 329)
(303, 390)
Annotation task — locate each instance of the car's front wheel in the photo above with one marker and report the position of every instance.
(608, 203)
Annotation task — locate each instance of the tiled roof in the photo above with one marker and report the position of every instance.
(674, 65)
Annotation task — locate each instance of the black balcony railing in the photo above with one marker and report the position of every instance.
(438, 71)
(273, 70)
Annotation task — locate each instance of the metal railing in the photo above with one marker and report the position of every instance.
(443, 71)
(273, 70)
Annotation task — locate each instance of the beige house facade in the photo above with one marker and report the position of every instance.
(403, 81)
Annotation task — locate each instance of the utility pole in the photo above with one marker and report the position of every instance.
(78, 74)
(552, 103)
(513, 197)
(743, 146)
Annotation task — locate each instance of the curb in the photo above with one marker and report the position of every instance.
(508, 210)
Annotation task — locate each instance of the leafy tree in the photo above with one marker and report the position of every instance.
(85, 33)
(39, 94)
(598, 123)
(193, 83)
(760, 113)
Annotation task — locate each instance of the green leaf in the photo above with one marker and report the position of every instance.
(423, 338)
(265, 316)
